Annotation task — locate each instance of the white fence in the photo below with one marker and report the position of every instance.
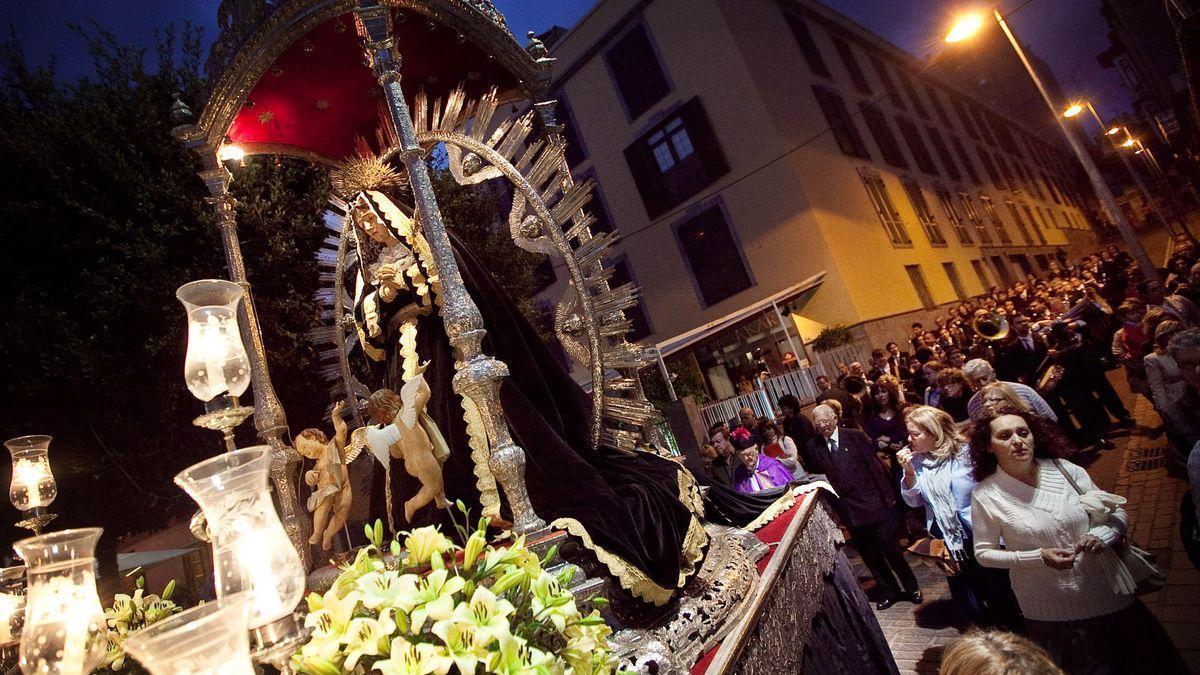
(801, 383)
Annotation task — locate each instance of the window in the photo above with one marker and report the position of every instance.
(1050, 188)
(808, 46)
(675, 159)
(981, 272)
(911, 91)
(1003, 133)
(924, 213)
(885, 76)
(955, 282)
(637, 314)
(845, 131)
(994, 217)
(981, 124)
(918, 281)
(916, 145)
(972, 215)
(1036, 222)
(575, 151)
(1022, 261)
(963, 116)
(638, 75)
(884, 207)
(953, 216)
(1007, 172)
(597, 209)
(965, 159)
(1029, 178)
(713, 256)
(856, 72)
(884, 138)
(1021, 226)
(939, 146)
(1041, 260)
(990, 168)
(938, 107)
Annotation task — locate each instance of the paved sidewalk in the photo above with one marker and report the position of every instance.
(1134, 469)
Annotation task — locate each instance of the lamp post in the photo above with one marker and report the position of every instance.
(1073, 111)
(969, 26)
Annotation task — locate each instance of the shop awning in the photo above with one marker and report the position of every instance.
(731, 320)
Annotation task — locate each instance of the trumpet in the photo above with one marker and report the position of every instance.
(991, 326)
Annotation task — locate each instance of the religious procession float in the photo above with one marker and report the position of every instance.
(517, 523)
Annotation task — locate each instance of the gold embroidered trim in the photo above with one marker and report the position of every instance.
(485, 482)
(410, 359)
(689, 493)
(772, 512)
(630, 577)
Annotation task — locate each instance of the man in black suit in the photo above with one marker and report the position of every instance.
(864, 505)
(1020, 355)
(795, 424)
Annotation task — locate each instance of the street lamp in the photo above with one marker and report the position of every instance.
(966, 27)
(1128, 142)
(1074, 110)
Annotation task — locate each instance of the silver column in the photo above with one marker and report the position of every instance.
(480, 376)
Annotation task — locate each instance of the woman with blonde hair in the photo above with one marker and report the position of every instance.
(996, 652)
(998, 397)
(938, 476)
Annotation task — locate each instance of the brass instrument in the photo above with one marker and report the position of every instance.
(991, 326)
(854, 385)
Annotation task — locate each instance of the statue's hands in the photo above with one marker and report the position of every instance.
(391, 280)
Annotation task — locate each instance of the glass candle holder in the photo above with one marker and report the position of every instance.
(251, 550)
(210, 638)
(65, 630)
(12, 604)
(216, 361)
(33, 484)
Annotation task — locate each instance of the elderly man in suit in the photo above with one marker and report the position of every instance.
(865, 497)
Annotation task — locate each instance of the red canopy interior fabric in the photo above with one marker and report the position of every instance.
(319, 95)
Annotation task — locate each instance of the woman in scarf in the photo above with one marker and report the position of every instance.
(937, 475)
(757, 472)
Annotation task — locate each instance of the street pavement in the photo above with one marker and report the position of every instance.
(918, 634)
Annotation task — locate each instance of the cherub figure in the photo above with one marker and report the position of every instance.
(330, 502)
(407, 433)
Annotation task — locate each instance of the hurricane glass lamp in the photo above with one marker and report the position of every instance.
(210, 638)
(12, 613)
(251, 550)
(216, 368)
(65, 630)
(33, 487)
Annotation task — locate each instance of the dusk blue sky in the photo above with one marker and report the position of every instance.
(1068, 34)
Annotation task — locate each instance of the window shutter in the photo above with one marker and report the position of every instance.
(647, 178)
(704, 140)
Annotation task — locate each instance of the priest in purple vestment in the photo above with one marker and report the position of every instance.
(756, 472)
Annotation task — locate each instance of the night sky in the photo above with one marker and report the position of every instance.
(1066, 33)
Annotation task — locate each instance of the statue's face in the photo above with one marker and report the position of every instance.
(309, 448)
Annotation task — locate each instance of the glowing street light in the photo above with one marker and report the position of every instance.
(1128, 143)
(966, 27)
(1114, 131)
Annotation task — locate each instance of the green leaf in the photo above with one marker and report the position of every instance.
(550, 555)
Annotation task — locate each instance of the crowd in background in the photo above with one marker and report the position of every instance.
(973, 419)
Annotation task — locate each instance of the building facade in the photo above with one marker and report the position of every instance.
(741, 146)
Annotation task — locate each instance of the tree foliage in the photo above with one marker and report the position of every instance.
(103, 216)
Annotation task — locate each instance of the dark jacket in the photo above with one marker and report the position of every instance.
(1015, 363)
(865, 495)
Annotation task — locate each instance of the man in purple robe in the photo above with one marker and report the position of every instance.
(756, 472)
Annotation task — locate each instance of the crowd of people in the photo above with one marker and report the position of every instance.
(973, 419)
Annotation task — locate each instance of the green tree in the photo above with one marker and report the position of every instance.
(103, 216)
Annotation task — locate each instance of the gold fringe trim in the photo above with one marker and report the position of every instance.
(689, 493)
(630, 577)
(410, 359)
(485, 482)
(773, 511)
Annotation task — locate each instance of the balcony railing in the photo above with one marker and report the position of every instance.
(801, 383)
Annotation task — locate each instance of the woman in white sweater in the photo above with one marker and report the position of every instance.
(1028, 519)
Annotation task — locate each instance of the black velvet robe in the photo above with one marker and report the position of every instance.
(630, 505)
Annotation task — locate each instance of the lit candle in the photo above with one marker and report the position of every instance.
(10, 607)
(31, 483)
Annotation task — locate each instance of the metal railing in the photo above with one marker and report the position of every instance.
(801, 383)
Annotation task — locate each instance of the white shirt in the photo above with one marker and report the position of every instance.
(1029, 519)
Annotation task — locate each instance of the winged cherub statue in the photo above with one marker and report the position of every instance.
(330, 502)
(407, 433)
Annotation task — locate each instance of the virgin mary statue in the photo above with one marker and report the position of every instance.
(638, 514)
